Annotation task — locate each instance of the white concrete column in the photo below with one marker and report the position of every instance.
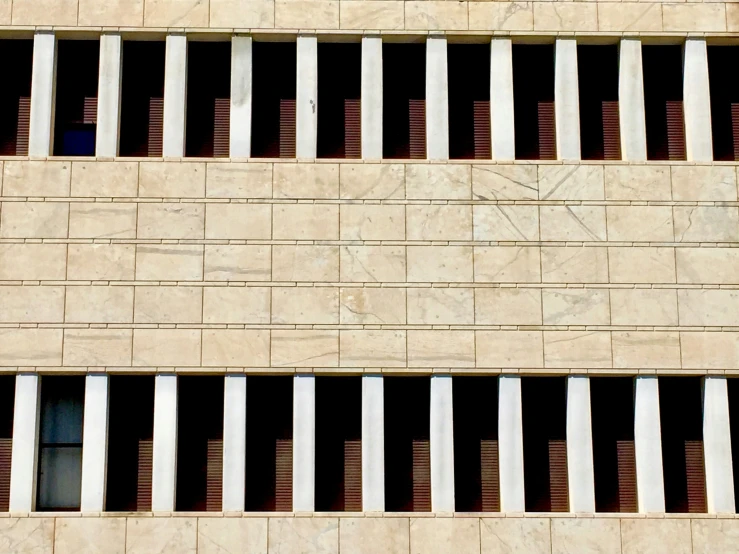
(164, 478)
(566, 99)
(241, 75)
(631, 101)
(304, 443)
(648, 446)
(717, 446)
(109, 95)
(373, 444)
(43, 92)
(306, 105)
(175, 96)
(234, 442)
(441, 442)
(437, 98)
(697, 101)
(510, 444)
(501, 99)
(371, 97)
(95, 443)
(24, 462)
(580, 471)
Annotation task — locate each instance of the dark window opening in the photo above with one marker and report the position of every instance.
(142, 99)
(404, 101)
(60, 445)
(600, 130)
(208, 99)
(130, 443)
(273, 100)
(733, 391)
(663, 102)
(199, 443)
(533, 101)
(544, 405)
(15, 96)
(7, 410)
(76, 97)
(469, 101)
(724, 102)
(681, 420)
(614, 458)
(339, 444)
(407, 450)
(339, 93)
(476, 472)
(269, 453)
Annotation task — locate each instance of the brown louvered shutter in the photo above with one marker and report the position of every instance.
(6, 448)
(547, 136)
(558, 475)
(353, 475)
(221, 127)
(284, 475)
(352, 129)
(214, 476)
(156, 127)
(490, 475)
(421, 475)
(481, 115)
(287, 128)
(695, 473)
(417, 119)
(24, 126)
(675, 130)
(144, 475)
(735, 129)
(611, 131)
(626, 461)
(90, 110)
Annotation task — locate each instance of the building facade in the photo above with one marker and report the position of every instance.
(369, 276)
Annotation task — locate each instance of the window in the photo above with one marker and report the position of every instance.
(273, 99)
(338, 444)
(269, 453)
(142, 99)
(130, 443)
(76, 97)
(614, 457)
(15, 96)
(404, 101)
(724, 102)
(407, 450)
(733, 390)
(600, 131)
(60, 448)
(208, 99)
(339, 92)
(663, 102)
(544, 405)
(681, 420)
(469, 101)
(533, 101)
(476, 475)
(7, 407)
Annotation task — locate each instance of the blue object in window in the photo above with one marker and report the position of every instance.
(79, 142)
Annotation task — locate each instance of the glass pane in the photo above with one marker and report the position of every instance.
(62, 409)
(60, 478)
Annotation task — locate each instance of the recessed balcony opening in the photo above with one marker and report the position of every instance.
(15, 96)
(404, 101)
(733, 390)
(663, 102)
(469, 101)
(533, 101)
(724, 102)
(600, 130)
(7, 407)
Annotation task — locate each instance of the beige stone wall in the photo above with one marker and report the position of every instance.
(399, 534)
(357, 267)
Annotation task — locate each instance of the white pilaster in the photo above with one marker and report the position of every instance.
(234, 442)
(24, 460)
(373, 444)
(631, 101)
(164, 478)
(304, 443)
(371, 98)
(109, 96)
(566, 99)
(442, 444)
(501, 99)
(43, 92)
(717, 446)
(580, 471)
(437, 98)
(648, 446)
(510, 444)
(241, 87)
(697, 101)
(306, 105)
(175, 96)
(94, 443)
